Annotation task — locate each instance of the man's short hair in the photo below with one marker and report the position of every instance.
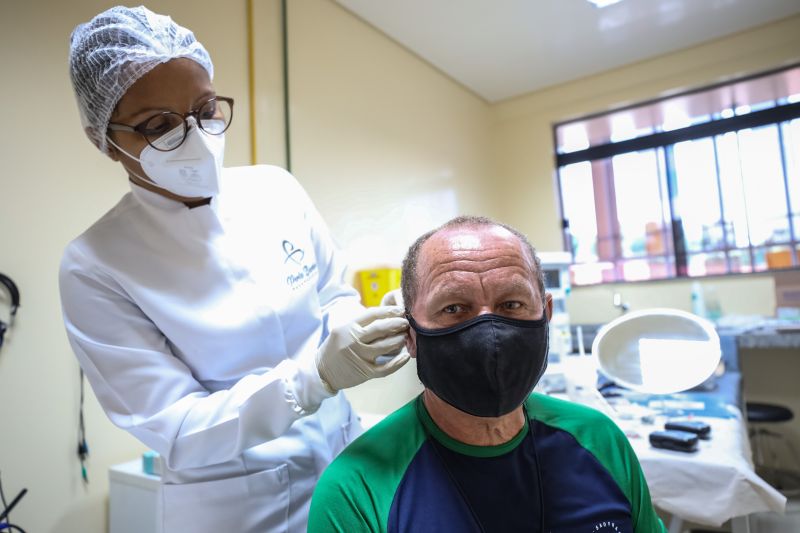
(408, 280)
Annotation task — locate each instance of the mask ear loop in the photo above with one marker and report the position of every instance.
(118, 147)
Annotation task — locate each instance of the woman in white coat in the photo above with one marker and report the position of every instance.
(208, 308)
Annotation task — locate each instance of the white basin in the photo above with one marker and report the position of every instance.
(658, 351)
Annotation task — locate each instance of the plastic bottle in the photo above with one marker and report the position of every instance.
(698, 304)
(712, 305)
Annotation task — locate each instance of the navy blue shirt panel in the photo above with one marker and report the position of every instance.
(426, 501)
(579, 493)
(503, 492)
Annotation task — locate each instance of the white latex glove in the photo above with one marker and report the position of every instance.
(349, 355)
(393, 297)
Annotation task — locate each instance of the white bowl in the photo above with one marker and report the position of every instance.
(657, 351)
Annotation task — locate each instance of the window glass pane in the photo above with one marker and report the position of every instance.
(687, 110)
(791, 148)
(681, 111)
(638, 201)
(650, 268)
(762, 176)
(630, 124)
(780, 257)
(577, 197)
(707, 264)
(572, 137)
(756, 94)
(736, 201)
(730, 177)
(759, 259)
(591, 273)
(740, 261)
(697, 195)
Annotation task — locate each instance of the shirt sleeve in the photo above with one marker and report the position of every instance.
(601, 437)
(645, 519)
(335, 510)
(145, 389)
(355, 493)
(620, 459)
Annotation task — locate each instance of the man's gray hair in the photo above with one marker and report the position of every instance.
(408, 280)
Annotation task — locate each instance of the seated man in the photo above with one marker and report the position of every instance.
(476, 451)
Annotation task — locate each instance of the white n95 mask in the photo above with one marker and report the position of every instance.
(192, 170)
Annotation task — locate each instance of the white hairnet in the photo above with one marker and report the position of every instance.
(113, 50)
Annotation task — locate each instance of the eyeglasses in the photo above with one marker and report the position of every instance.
(212, 117)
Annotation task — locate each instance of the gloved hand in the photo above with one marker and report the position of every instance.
(393, 297)
(348, 356)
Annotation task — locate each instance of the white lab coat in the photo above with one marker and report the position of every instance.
(197, 330)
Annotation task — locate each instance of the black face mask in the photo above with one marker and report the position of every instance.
(486, 366)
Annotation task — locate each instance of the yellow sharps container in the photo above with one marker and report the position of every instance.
(374, 283)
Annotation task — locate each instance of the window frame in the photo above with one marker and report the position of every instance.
(663, 143)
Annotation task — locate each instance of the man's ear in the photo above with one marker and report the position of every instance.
(548, 305)
(411, 342)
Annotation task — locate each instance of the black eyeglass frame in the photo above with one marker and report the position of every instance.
(140, 127)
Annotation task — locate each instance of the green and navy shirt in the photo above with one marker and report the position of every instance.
(570, 469)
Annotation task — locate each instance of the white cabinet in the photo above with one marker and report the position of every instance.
(133, 499)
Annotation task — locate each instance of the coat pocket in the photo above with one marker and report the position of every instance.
(255, 503)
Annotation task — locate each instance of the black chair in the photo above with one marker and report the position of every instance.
(760, 415)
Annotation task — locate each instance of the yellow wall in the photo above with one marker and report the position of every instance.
(54, 183)
(380, 138)
(523, 161)
(386, 145)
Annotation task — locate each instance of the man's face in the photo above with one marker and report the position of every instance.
(466, 272)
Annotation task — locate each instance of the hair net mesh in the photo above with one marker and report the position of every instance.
(113, 50)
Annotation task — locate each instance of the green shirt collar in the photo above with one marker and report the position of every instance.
(466, 449)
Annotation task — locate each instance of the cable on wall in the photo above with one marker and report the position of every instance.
(83, 447)
(286, 122)
(251, 84)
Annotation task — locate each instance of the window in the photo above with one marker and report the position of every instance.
(702, 183)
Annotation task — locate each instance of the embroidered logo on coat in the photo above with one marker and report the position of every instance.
(301, 275)
(293, 253)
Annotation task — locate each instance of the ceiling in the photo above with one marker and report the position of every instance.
(504, 48)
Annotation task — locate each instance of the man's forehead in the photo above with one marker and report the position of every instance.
(470, 238)
(481, 243)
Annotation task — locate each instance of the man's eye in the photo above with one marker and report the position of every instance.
(512, 305)
(450, 309)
